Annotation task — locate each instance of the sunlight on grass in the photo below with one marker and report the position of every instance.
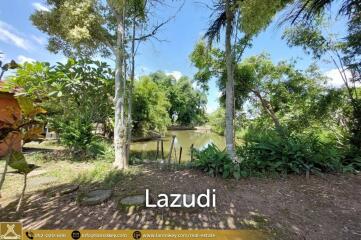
(104, 173)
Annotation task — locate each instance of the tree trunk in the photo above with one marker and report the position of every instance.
(229, 85)
(268, 108)
(130, 93)
(119, 123)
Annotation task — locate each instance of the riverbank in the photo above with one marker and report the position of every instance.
(326, 207)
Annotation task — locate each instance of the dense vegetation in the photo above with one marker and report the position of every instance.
(85, 86)
(287, 119)
(162, 100)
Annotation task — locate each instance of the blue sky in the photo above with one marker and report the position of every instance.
(21, 41)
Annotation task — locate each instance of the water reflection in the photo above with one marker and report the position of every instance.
(184, 138)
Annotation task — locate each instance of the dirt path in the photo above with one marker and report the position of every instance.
(326, 207)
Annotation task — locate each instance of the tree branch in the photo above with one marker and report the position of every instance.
(156, 29)
(153, 32)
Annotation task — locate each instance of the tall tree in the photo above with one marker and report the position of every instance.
(92, 27)
(230, 82)
(343, 54)
(242, 21)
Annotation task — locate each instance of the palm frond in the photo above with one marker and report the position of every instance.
(307, 10)
(219, 16)
(214, 29)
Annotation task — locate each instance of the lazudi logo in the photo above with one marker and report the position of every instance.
(176, 200)
(10, 230)
(75, 234)
(137, 235)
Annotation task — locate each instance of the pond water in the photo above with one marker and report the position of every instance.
(183, 138)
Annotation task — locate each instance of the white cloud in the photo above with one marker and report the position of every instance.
(3, 56)
(335, 78)
(176, 74)
(40, 7)
(39, 40)
(9, 35)
(23, 59)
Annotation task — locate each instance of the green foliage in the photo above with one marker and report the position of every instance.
(151, 107)
(65, 90)
(352, 160)
(187, 104)
(216, 162)
(315, 39)
(256, 15)
(162, 100)
(88, 27)
(33, 79)
(76, 134)
(266, 152)
(17, 161)
(81, 28)
(356, 124)
(209, 61)
(84, 86)
(310, 38)
(284, 95)
(217, 121)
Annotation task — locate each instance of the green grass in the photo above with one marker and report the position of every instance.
(66, 170)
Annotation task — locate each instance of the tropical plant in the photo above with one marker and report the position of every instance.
(81, 85)
(266, 152)
(29, 128)
(216, 162)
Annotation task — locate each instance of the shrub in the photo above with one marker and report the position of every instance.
(267, 152)
(352, 160)
(77, 135)
(216, 162)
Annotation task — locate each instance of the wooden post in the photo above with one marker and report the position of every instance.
(171, 149)
(175, 154)
(192, 153)
(156, 156)
(180, 155)
(161, 145)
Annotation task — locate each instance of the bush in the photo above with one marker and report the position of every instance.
(77, 135)
(216, 162)
(352, 160)
(267, 152)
